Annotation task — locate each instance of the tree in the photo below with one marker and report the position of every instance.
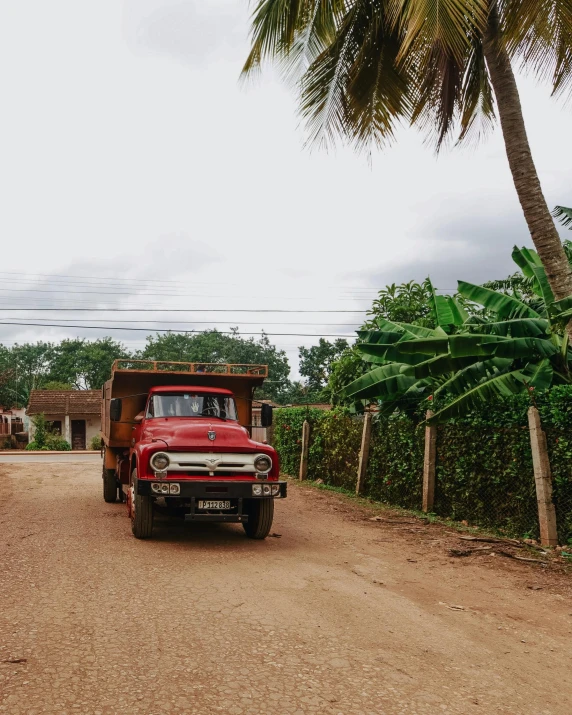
(85, 364)
(364, 66)
(405, 303)
(316, 364)
(56, 385)
(216, 347)
(28, 365)
(467, 359)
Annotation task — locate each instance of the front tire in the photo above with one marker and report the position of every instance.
(109, 486)
(141, 511)
(260, 516)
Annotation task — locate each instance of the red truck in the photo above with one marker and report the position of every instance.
(177, 440)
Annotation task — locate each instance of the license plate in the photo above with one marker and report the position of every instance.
(213, 504)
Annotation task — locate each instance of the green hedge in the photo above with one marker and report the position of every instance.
(395, 465)
(484, 466)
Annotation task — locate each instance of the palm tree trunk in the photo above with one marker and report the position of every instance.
(540, 223)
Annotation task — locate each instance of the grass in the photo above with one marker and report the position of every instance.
(375, 506)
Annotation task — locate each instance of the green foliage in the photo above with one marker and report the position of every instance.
(288, 437)
(484, 462)
(44, 438)
(214, 346)
(405, 303)
(471, 357)
(95, 443)
(316, 366)
(41, 430)
(395, 466)
(85, 364)
(57, 385)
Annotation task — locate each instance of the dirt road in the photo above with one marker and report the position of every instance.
(339, 615)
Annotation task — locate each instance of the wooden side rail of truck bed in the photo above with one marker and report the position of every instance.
(189, 368)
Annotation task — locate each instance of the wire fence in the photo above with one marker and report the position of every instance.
(484, 474)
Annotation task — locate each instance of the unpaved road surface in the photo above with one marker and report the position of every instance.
(339, 615)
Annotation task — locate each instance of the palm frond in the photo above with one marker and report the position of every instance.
(477, 107)
(538, 33)
(274, 26)
(564, 215)
(317, 29)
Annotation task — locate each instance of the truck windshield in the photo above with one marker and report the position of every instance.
(187, 404)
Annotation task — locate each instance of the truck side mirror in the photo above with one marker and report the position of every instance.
(115, 406)
(266, 415)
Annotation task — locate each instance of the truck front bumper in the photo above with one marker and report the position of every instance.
(227, 489)
(191, 491)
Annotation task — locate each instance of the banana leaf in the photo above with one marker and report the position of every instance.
(473, 375)
(443, 364)
(505, 384)
(440, 309)
(544, 287)
(426, 346)
(380, 336)
(530, 348)
(460, 315)
(466, 345)
(387, 353)
(561, 309)
(539, 375)
(519, 328)
(417, 331)
(384, 381)
(504, 305)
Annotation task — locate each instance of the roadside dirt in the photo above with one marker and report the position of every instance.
(339, 615)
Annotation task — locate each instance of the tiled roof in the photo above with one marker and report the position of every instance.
(65, 402)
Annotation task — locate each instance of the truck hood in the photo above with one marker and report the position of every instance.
(193, 434)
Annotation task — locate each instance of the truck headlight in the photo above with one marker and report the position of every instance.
(257, 490)
(160, 461)
(263, 463)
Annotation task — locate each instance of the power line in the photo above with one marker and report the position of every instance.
(166, 330)
(182, 310)
(197, 322)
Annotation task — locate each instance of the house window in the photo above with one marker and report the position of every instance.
(56, 426)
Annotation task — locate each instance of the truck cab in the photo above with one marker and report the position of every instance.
(184, 446)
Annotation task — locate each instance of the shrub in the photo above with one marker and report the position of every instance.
(95, 443)
(44, 439)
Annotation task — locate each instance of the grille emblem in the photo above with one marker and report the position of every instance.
(211, 435)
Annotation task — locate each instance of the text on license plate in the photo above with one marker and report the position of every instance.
(213, 504)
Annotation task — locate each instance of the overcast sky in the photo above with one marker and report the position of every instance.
(136, 171)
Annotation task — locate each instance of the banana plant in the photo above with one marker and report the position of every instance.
(468, 359)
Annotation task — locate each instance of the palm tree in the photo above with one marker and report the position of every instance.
(364, 66)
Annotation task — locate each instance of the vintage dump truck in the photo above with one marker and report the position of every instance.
(177, 439)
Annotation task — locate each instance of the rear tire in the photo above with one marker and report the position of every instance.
(141, 512)
(109, 486)
(260, 516)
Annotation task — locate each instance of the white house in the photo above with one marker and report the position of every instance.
(75, 414)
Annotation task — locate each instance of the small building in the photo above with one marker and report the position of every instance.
(12, 421)
(75, 414)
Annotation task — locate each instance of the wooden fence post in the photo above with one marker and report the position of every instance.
(543, 480)
(364, 453)
(429, 465)
(305, 448)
